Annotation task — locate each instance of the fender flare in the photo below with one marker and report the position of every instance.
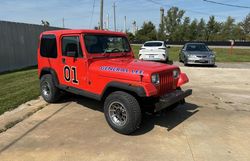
(52, 72)
(139, 90)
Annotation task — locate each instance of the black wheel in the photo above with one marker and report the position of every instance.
(122, 112)
(213, 65)
(167, 60)
(185, 62)
(49, 91)
(180, 59)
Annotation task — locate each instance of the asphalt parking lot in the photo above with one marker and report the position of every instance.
(212, 126)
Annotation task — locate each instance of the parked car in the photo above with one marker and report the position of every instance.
(197, 53)
(154, 51)
(101, 65)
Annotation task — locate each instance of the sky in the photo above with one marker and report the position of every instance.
(84, 14)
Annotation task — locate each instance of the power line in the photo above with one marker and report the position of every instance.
(226, 4)
(92, 13)
(156, 2)
(198, 12)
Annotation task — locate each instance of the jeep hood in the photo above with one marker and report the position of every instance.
(127, 68)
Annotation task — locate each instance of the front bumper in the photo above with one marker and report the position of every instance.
(171, 98)
(205, 61)
(154, 56)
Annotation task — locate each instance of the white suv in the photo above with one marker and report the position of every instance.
(154, 51)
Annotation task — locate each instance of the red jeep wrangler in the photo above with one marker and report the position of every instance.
(101, 65)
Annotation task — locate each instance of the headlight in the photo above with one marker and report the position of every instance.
(155, 78)
(176, 74)
(211, 55)
(192, 56)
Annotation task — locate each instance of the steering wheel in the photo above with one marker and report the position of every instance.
(115, 50)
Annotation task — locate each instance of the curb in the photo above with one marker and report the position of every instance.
(11, 118)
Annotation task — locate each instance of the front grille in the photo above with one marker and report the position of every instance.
(166, 82)
(202, 56)
(201, 61)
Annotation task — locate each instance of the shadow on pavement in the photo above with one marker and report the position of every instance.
(167, 119)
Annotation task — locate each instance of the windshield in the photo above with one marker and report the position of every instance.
(152, 44)
(197, 47)
(106, 44)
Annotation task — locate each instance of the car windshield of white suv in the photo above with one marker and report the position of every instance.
(197, 47)
(106, 44)
(152, 44)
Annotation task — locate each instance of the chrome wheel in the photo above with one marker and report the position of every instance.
(45, 89)
(118, 113)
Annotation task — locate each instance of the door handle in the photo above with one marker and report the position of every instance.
(63, 60)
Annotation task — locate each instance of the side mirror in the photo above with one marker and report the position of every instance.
(72, 54)
(168, 47)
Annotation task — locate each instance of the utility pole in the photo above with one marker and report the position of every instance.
(114, 16)
(134, 28)
(162, 15)
(105, 25)
(101, 15)
(63, 23)
(125, 24)
(107, 21)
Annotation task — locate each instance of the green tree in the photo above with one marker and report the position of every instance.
(173, 22)
(212, 28)
(201, 29)
(193, 30)
(182, 33)
(161, 35)
(245, 24)
(131, 36)
(227, 29)
(238, 32)
(176, 27)
(147, 32)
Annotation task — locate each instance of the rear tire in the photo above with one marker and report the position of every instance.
(122, 112)
(49, 91)
(167, 60)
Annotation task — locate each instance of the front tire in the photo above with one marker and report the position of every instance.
(185, 62)
(49, 91)
(180, 59)
(122, 112)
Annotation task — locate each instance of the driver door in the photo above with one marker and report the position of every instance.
(73, 64)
